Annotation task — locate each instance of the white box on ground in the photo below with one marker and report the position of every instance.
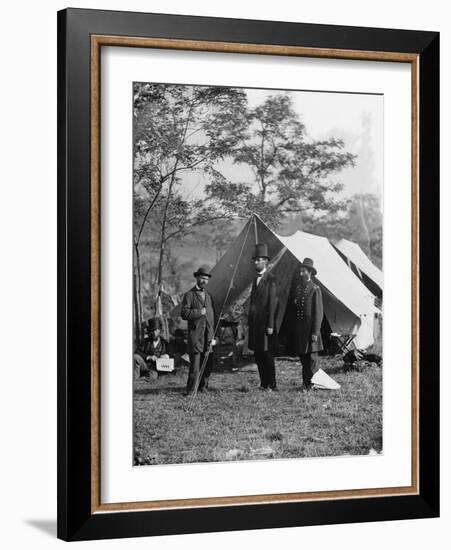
(165, 364)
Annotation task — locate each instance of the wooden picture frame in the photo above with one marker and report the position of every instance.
(81, 35)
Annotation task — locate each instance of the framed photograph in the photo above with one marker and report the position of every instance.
(248, 274)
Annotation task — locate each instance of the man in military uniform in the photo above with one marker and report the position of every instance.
(198, 310)
(262, 318)
(307, 300)
(150, 350)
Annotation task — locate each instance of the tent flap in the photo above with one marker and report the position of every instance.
(353, 253)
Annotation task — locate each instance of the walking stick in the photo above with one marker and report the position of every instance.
(199, 377)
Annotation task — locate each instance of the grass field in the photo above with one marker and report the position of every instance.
(236, 421)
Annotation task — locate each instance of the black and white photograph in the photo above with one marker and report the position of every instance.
(257, 274)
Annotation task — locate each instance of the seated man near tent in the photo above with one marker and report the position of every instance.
(307, 300)
(152, 348)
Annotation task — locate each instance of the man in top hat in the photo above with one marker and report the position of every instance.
(150, 350)
(198, 310)
(307, 300)
(262, 318)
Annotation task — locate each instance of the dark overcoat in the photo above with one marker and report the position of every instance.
(200, 327)
(307, 302)
(262, 313)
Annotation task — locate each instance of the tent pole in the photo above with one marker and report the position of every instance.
(254, 217)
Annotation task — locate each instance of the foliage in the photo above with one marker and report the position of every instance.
(291, 172)
(360, 222)
(180, 129)
(177, 130)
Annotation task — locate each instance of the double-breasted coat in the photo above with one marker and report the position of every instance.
(262, 313)
(307, 302)
(200, 327)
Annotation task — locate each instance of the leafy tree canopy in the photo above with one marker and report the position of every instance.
(291, 172)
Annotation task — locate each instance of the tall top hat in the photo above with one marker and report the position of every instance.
(308, 263)
(261, 251)
(153, 323)
(204, 270)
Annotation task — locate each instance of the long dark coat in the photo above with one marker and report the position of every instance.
(262, 313)
(307, 302)
(200, 327)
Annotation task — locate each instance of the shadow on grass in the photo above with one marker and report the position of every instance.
(181, 390)
(349, 370)
(227, 391)
(153, 391)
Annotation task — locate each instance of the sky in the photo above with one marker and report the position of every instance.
(355, 118)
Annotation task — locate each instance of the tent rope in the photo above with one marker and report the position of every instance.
(210, 347)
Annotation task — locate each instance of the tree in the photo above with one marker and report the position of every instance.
(360, 222)
(178, 129)
(219, 236)
(291, 173)
(365, 225)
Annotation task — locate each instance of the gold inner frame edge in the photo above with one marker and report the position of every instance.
(97, 41)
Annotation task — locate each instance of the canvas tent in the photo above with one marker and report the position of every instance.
(348, 305)
(363, 267)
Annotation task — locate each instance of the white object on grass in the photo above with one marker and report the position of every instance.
(323, 381)
(165, 364)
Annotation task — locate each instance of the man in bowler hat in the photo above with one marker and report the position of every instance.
(307, 300)
(150, 350)
(198, 310)
(262, 318)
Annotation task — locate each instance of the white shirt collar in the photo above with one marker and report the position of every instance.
(261, 273)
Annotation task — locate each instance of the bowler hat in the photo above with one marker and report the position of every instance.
(153, 323)
(308, 263)
(261, 251)
(204, 270)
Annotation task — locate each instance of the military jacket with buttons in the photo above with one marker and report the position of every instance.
(307, 302)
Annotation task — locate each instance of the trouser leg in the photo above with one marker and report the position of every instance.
(270, 370)
(140, 367)
(266, 368)
(207, 371)
(314, 367)
(309, 367)
(193, 375)
(260, 360)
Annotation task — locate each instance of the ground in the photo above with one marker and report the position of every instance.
(237, 421)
